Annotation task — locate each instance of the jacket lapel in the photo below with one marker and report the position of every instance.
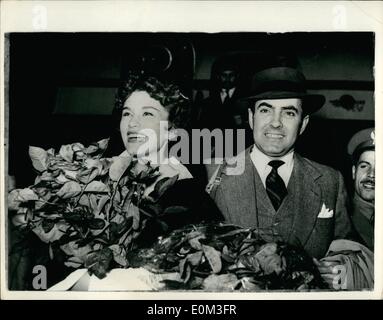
(240, 195)
(307, 202)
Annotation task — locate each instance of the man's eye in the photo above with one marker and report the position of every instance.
(264, 110)
(362, 166)
(291, 113)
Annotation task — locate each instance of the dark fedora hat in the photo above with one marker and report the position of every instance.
(283, 83)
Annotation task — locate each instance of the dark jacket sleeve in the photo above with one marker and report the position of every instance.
(343, 228)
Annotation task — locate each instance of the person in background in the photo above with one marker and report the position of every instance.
(219, 110)
(222, 110)
(362, 150)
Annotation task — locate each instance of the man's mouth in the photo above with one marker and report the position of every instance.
(136, 137)
(368, 184)
(274, 135)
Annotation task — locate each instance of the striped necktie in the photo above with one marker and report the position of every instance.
(275, 186)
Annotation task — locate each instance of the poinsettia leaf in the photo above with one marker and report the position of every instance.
(77, 146)
(84, 200)
(164, 184)
(92, 148)
(118, 167)
(87, 175)
(103, 144)
(213, 257)
(222, 282)
(96, 186)
(93, 202)
(94, 163)
(98, 262)
(194, 241)
(70, 174)
(47, 176)
(39, 158)
(96, 224)
(195, 258)
(47, 225)
(119, 254)
(27, 194)
(72, 248)
(66, 152)
(62, 178)
(175, 210)
(118, 218)
(69, 190)
(58, 230)
(106, 163)
(101, 204)
(13, 202)
(135, 213)
(19, 220)
(73, 262)
(183, 264)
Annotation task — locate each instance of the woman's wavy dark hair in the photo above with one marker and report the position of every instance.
(169, 95)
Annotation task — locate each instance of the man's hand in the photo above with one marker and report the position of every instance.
(331, 272)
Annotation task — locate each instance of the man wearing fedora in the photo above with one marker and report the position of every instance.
(283, 194)
(362, 150)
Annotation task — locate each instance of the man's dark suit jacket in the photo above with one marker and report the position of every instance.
(216, 114)
(312, 215)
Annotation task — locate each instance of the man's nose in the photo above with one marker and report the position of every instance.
(371, 173)
(276, 120)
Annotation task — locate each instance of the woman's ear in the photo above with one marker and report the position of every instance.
(172, 133)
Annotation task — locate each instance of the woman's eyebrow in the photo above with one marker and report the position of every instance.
(150, 107)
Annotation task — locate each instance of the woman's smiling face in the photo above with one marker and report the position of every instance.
(140, 124)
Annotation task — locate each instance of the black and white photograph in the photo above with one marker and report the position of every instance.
(189, 162)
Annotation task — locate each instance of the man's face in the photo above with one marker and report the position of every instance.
(227, 79)
(276, 124)
(363, 174)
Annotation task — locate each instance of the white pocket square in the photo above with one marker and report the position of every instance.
(325, 213)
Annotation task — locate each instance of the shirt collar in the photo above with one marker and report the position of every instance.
(230, 91)
(261, 161)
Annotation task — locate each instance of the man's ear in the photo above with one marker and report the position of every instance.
(251, 116)
(353, 172)
(305, 121)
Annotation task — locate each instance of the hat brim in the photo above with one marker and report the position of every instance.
(310, 102)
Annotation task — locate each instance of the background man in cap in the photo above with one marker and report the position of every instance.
(362, 150)
(285, 195)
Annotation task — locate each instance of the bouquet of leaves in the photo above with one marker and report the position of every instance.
(89, 208)
(225, 257)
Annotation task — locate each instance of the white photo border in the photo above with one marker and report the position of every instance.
(194, 16)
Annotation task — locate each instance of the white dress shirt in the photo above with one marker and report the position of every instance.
(261, 163)
(225, 92)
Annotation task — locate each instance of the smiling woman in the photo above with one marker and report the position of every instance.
(98, 210)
